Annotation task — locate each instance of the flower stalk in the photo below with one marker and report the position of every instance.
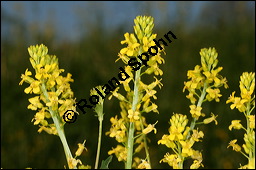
(99, 113)
(131, 126)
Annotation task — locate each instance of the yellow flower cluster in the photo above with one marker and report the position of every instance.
(245, 104)
(54, 95)
(205, 75)
(182, 146)
(138, 100)
(203, 85)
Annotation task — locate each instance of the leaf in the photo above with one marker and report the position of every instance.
(104, 163)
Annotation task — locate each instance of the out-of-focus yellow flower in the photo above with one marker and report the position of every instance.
(118, 129)
(80, 149)
(196, 164)
(173, 160)
(235, 124)
(120, 152)
(72, 163)
(144, 165)
(197, 135)
(235, 146)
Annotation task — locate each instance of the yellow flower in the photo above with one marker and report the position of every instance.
(133, 115)
(49, 130)
(166, 141)
(191, 97)
(35, 103)
(153, 108)
(196, 111)
(252, 121)
(147, 43)
(53, 103)
(196, 135)
(235, 124)
(120, 152)
(149, 93)
(237, 102)
(176, 133)
(173, 160)
(117, 129)
(25, 77)
(131, 40)
(235, 146)
(196, 164)
(213, 76)
(144, 165)
(213, 94)
(39, 118)
(149, 128)
(42, 72)
(72, 163)
(34, 87)
(186, 147)
(197, 155)
(210, 119)
(80, 149)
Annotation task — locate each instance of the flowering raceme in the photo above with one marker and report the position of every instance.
(139, 100)
(203, 86)
(245, 104)
(53, 95)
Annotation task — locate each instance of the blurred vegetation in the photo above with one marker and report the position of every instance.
(227, 26)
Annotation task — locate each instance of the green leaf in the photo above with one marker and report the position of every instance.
(104, 163)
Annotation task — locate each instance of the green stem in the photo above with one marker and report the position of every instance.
(199, 104)
(146, 150)
(248, 130)
(99, 142)
(180, 164)
(145, 143)
(60, 130)
(131, 127)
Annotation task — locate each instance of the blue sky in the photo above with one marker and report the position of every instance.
(67, 14)
(71, 18)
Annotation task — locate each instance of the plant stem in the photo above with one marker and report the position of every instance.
(131, 127)
(60, 130)
(145, 143)
(99, 142)
(146, 150)
(180, 164)
(199, 104)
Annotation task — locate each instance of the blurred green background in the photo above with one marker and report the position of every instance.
(86, 37)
